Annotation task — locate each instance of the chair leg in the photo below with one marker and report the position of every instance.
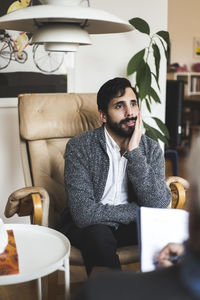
(67, 278)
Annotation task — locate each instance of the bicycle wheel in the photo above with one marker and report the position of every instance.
(47, 61)
(5, 53)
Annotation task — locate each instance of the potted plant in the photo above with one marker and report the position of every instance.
(146, 74)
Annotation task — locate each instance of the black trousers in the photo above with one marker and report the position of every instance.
(98, 243)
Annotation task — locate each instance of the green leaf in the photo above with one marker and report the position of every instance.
(165, 50)
(149, 98)
(162, 127)
(148, 105)
(154, 95)
(154, 133)
(135, 62)
(143, 79)
(140, 25)
(156, 80)
(164, 35)
(150, 134)
(156, 53)
(146, 126)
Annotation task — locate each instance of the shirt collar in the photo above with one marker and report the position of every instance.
(110, 142)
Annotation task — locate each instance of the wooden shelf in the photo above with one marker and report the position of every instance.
(191, 81)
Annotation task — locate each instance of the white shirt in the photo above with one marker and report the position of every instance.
(116, 189)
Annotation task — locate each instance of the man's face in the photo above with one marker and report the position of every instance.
(122, 114)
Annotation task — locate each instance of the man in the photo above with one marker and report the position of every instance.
(181, 281)
(109, 173)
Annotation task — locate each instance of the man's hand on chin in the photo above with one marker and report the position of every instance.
(137, 133)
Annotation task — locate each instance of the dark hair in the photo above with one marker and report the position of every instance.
(111, 89)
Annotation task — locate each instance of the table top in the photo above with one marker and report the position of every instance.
(41, 251)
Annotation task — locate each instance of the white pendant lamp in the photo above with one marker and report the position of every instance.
(61, 37)
(63, 25)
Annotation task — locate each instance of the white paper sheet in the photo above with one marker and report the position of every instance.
(158, 227)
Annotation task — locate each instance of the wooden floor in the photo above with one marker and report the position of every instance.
(27, 291)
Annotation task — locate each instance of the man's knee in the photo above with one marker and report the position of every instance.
(98, 247)
(99, 236)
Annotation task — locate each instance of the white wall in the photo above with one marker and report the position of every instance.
(11, 175)
(183, 25)
(105, 59)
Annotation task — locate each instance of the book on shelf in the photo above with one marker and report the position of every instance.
(195, 84)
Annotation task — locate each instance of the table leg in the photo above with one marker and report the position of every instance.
(67, 277)
(39, 288)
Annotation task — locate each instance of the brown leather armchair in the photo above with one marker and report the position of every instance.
(46, 123)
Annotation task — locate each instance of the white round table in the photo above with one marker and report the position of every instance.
(41, 251)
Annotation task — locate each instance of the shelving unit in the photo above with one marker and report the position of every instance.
(191, 117)
(191, 81)
(190, 106)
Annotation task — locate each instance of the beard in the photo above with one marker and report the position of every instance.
(118, 128)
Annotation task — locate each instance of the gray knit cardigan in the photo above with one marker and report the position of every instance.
(86, 171)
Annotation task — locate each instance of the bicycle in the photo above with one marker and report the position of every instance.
(45, 61)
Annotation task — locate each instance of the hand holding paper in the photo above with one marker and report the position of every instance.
(170, 254)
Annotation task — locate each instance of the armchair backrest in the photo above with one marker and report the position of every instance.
(46, 123)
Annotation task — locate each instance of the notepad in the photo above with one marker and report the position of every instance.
(156, 228)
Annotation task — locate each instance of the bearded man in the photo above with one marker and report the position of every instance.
(110, 172)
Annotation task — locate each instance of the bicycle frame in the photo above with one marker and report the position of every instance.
(14, 49)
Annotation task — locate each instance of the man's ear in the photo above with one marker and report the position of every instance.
(102, 116)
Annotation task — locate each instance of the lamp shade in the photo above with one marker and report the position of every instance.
(98, 21)
(59, 18)
(61, 37)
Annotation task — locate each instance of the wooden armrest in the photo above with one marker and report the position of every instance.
(37, 209)
(181, 180)
(31, 205)
(178, 187)
(178, 195)
(30, 201)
